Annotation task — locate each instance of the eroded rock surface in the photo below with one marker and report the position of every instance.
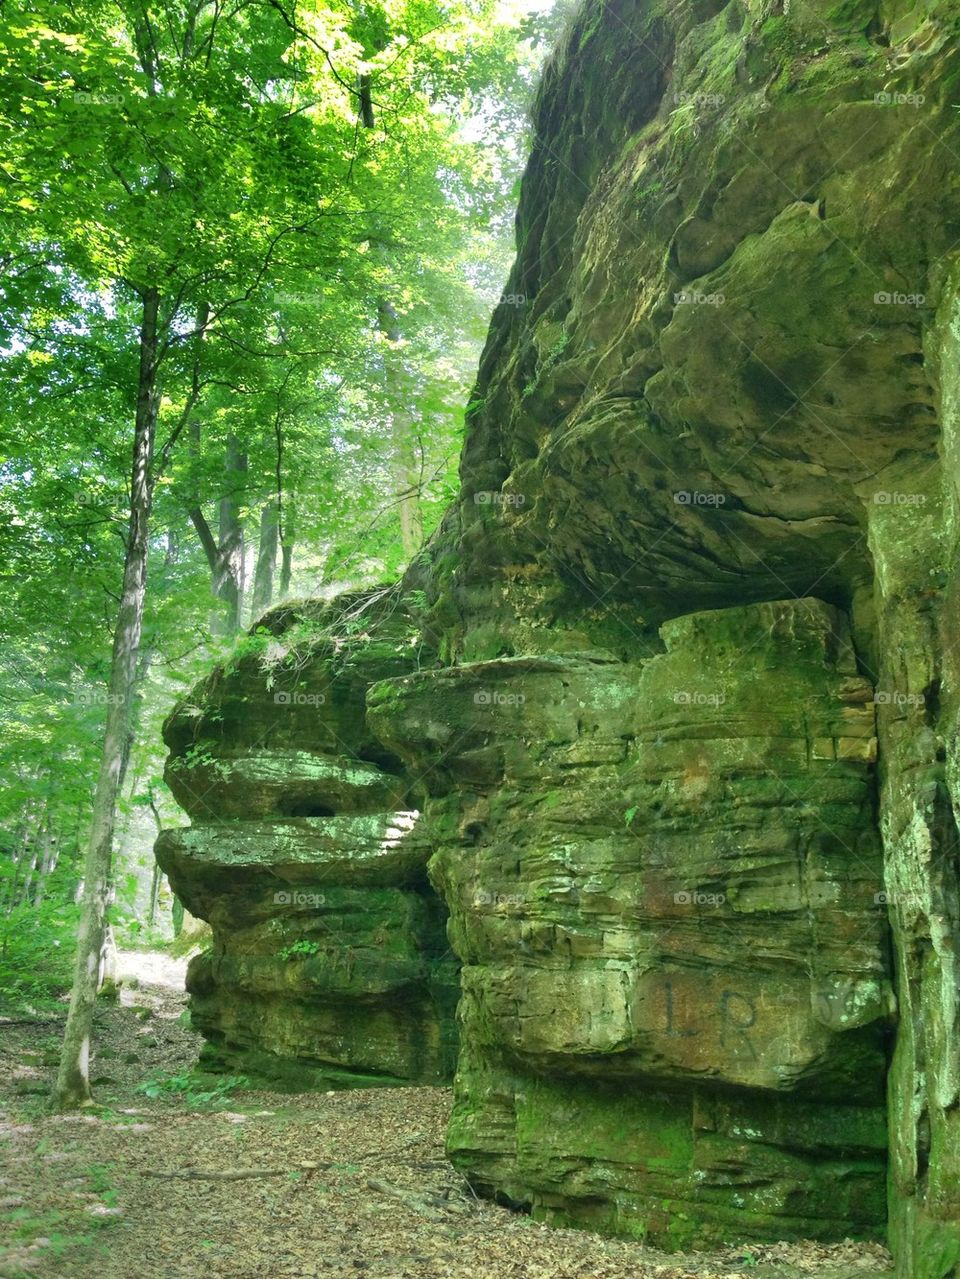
(687, 757)
(329, 961)
(665, 884)
(734, 380)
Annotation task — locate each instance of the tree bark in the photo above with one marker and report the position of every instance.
(48, 865)
(108, 972)
(72, 1088)
(288, 537)
(33, 861)
(266, 559)
(157, 872)
(225, 552)
(228, 584)
(406, 468)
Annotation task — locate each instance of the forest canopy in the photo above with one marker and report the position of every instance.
(252, 246)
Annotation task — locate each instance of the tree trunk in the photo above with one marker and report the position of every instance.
(33, 860)
(72, 1088)
(228, 583)
(157, 872)
(29, 836)
(108, 973)
(48, 865)
(154, 895)
(17, 842)
(225, 552)
(405, 464)
(288, 537)
(266, 560)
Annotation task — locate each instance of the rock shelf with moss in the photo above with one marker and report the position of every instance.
(329, 964)
(679, 721)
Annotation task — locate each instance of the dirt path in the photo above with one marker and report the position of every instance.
(363, 1190)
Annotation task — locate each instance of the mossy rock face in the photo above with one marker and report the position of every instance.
(329, 964)
(732, 237)
(677, 739)
(733, 380)
(665, 886)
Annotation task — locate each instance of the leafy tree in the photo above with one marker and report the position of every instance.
(247, 250)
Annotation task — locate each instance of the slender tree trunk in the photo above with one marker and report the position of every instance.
(11, 900)
(288, 539)
(155, 878)
(406, 465)
(225, 552)
(16, 847)
(108, 970)
(33, 862)
(26, 856)
(72, 1088)
(48, 865)
(154, 895)
(266, 559)
(228, 583)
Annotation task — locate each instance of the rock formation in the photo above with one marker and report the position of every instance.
(664, 879)
(686, 758)
(329, 961)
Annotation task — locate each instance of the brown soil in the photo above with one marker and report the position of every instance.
(79, 1198)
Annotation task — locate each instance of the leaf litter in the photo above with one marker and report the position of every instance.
(266, 1185)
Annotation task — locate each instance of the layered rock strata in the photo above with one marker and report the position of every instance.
(329, 961)
(665, 884)
(688, 751)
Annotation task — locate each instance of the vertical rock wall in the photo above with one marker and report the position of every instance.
(685, 751)
(915, 549)
(733, 381)
(665, 883)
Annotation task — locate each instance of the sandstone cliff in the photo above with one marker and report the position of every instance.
(329, 962)
(686, 760)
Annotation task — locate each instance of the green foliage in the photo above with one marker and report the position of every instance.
(324, 282)
(299, 950)
(36, 952)
(199, 1092)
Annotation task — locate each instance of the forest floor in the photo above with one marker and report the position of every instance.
(349, 1185)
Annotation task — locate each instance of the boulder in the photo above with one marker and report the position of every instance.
(329, 963)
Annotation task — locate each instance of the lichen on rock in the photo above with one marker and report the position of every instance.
(329, 963)
(679, 746)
